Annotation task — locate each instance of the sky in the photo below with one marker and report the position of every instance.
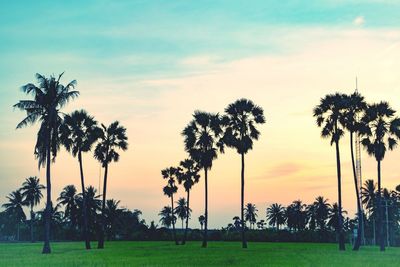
(151, 64)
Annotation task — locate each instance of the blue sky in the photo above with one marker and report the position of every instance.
(149, 64)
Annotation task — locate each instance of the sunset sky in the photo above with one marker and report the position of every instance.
(151, 64)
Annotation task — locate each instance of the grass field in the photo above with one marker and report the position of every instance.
(217, 254)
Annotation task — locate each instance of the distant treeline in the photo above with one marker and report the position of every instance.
(297, 222)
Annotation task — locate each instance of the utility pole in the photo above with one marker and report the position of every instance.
(359, 175)
(387, 223)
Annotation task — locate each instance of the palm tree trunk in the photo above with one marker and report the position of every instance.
(204, 245)
(244, 243)
(340, 219)
(357, 242)
(103, 209)
(47, 216)
(187, 218)
(84, 208)
(173, 221)
(380, 215)
(32, 239)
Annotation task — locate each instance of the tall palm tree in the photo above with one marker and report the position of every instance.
(112, 138)
(181, 209)
(201, 221)
(203, 138)
(328, 115)
(78, 133)
(381, 132)
(32, 192)
(355, 107)
(14, 208)
(170, 174)
(167, 217)
(49, 97)
(240, 120)
(188, 175)
(68, 198)
(250, 214)
(276, 215)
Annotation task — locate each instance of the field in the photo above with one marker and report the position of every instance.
(217, 254)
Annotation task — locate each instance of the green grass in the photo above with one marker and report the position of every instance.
(217, 254)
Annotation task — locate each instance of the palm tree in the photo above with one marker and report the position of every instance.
(355, 106)
(250, 214)
(369, 196)
(181, 209)
(49, 97)
(334, 215)
(32, 192)
(14, 208)
(68, 198)
(188, 175)
(79, 132)
(167, 217)
(112, 138)
(201, 221)
(276, 215)
(296, 215)
(322, 208)
(113, 217)
(380, 132)
(329, 113)
(93, 205)
(240, 120)
(169, 190)
(202, 138)
(237, 222)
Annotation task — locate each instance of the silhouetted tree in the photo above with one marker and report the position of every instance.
(49, 97)
(188, 175)
(296, 215)
(201, 221)
(93, 205)
(328, 115)
(355, 107)
(79, 132)
(170, 174)
(181, 209)
(250, 214)
(240, 120)
(322, 208)
(14, 209)
(380, 132)
(202, 139)
(112, 139)
(68, 199)
(334, 215)
(113, 218)
(276, 215)
(32, 192)
(167, 217)
(369, 196)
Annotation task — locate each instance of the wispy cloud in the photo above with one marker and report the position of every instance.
(359, 21)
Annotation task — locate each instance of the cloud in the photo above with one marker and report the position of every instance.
(281, 170)
(359, 21)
